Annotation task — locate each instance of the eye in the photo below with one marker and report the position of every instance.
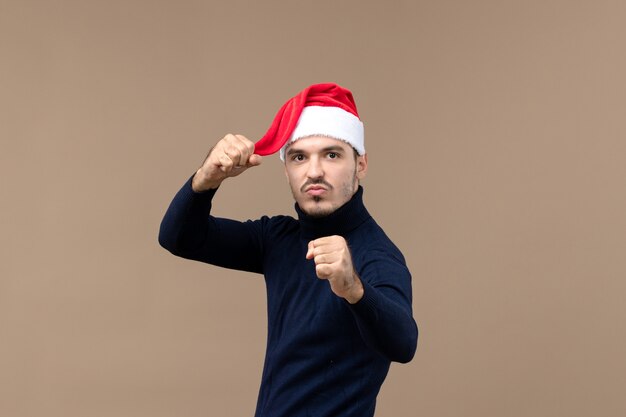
(297, 157)
(333, 155)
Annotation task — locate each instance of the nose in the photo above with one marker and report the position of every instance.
(314, 168)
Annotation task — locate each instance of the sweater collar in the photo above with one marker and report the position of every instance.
(340, 222)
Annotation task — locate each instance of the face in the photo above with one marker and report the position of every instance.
(323, 173)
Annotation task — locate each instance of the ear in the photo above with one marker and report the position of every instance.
(361, 166)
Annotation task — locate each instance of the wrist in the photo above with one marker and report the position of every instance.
(201, 182)
(356, 291)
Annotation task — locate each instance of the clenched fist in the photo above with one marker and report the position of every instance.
(231, 156)
(333, 263)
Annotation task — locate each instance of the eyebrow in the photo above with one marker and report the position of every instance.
(333, 148)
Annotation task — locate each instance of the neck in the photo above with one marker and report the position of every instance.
(339, 222)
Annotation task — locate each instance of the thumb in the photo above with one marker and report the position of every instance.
(309, 253)
(255, 160)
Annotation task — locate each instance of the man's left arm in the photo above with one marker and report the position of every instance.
(379, 295)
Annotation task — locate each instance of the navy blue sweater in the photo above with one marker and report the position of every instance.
(325, 357)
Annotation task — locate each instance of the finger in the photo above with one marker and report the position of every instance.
(229, 140)
(326, 258)
(316, 247)
(243, 153)
(323, 271)
(226, 164)
(255, 160)
(329, 241)
(231, 145)
(233, 153)
(247, 148)
(247, 143)
(326, 248)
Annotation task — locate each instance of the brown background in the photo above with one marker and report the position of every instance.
(496, 138)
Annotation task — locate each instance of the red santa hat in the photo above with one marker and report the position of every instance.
(321, 109)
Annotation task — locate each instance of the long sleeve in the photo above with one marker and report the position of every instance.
(189, 231)
(384, 314)
(316, 341)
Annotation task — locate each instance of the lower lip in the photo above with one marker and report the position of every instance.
(316, 191)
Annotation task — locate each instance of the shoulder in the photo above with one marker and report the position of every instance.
(369, 241)
(277, 225)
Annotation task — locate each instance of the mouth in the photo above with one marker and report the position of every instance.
(315, 190)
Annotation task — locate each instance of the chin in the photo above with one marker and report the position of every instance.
(319, 212)
(315, 209)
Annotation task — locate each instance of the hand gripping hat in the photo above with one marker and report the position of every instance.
(321, 109)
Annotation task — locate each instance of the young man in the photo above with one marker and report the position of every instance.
(338, 290)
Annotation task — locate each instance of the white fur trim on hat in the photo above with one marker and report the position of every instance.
(328, 121)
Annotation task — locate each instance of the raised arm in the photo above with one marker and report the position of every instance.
(189, 231)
